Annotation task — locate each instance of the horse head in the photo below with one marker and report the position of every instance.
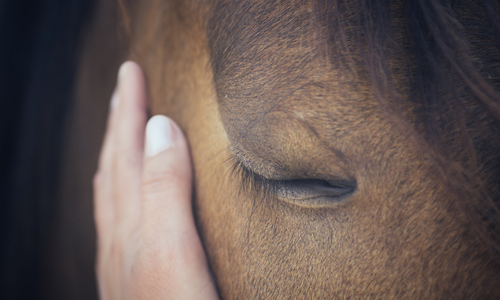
(341, 149)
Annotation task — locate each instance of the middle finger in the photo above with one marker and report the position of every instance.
(129, 143)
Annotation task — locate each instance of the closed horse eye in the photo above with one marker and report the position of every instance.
(308, 192)
(314, 192)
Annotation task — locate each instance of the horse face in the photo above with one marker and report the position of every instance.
(305, 187)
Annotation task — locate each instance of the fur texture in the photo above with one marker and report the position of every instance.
(400, 99)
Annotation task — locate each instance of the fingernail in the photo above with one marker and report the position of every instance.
(159, 135)
(121, 71)
(114, 99)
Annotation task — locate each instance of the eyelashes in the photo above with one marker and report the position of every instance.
(251, 182)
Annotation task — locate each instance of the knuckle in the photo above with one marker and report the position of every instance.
(116, 250)
(125, 161)
(101, 223)
(160, 181)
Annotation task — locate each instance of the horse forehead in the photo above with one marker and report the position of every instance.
(257, 48)
(267, 58)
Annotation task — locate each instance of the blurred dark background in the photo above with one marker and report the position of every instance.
(39, 45)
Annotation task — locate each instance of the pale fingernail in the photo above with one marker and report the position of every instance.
(160, 135)
(122, 71)
(114, 99)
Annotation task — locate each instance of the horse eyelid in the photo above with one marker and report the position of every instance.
(251, 181)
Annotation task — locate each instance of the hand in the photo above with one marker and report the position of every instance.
(148, 246)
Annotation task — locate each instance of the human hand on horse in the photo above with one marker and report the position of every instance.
(148, 246)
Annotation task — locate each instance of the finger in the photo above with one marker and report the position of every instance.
(167, 218)
(103, 184)
(106, 154)
(167, 178)
(103, 199)
(129, 142)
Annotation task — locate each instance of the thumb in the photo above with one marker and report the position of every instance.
(168, 228)
(167, 175)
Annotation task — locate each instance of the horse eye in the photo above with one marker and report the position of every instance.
(314, 192)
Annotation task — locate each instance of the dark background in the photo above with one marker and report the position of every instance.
(39, 46)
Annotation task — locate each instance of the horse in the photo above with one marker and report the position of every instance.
(341, 149)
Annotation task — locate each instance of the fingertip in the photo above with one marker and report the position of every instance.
(126, 67)
(131, 85)
(160, 135)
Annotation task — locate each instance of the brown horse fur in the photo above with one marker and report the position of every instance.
(400, 102)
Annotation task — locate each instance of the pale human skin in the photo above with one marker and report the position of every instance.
(148, 246)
